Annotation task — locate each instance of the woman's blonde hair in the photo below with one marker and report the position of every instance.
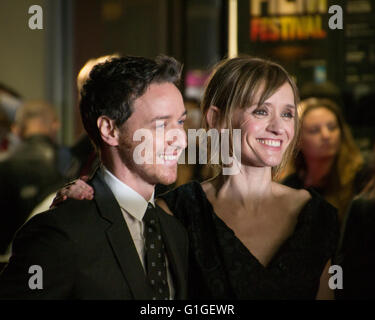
(237, 82)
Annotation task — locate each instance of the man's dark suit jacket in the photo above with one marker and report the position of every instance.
(85, 251)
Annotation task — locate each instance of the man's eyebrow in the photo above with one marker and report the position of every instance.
(160, 118)
(166, 117)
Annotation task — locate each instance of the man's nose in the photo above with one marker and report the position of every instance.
(177, 138)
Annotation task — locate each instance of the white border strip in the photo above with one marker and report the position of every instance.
(232, 28)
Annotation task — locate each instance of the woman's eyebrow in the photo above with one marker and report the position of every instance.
(290, 106)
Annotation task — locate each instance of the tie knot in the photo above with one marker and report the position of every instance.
(150, 216)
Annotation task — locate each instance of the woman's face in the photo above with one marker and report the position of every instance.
(268, 129)
(321, 134)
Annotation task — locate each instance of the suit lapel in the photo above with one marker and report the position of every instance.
(121, 241)
(174, 253)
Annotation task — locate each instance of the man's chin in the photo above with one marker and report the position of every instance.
(167, 180)
(168, 177)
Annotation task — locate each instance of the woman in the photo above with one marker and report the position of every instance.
(328, 159)
(250, 237)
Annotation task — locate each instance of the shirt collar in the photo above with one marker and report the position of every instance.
(129, 199)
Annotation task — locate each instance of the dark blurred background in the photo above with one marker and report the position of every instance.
(43, 64)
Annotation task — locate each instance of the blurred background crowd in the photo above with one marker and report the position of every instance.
(43, 145)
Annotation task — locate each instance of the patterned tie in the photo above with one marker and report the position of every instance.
(155, 256)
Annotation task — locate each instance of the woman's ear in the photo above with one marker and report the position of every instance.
(213, 116)
(108, 130)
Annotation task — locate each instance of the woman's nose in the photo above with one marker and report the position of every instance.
(275, 125)
(325, 132)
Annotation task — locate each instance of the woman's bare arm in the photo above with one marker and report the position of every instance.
(325, 292)
(80, 190)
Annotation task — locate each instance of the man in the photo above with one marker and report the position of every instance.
(101, 248)
(30, 170)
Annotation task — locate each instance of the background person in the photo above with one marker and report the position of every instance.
(10, 101)
(30, 172)
(328, 159)
(4, 130)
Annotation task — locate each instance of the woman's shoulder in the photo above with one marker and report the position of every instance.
(318, 222)
(322, 223)
(312, 208)
(319, 202)
(291, 199)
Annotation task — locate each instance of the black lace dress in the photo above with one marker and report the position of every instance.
(221, 267)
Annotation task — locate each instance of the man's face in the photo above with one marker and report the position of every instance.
(152, 139)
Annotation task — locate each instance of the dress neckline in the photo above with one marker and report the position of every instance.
(297, 229)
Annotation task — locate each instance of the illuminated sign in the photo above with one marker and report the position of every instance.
(286, 20)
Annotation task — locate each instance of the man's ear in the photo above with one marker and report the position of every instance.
(213, 116)
(108, 130)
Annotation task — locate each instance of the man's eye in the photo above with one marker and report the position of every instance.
(181, 122)
(161, 125)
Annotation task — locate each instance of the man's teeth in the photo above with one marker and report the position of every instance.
(167, 157)
(272, 143)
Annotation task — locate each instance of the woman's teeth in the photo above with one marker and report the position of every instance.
(272, 143)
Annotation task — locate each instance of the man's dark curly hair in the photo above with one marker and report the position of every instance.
(113, 86)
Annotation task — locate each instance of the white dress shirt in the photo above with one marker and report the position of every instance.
(133, 207)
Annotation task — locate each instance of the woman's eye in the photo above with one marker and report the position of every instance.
(260, 112)
(181, 122)
(313, 130)
(332, 127)
(288, 115)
